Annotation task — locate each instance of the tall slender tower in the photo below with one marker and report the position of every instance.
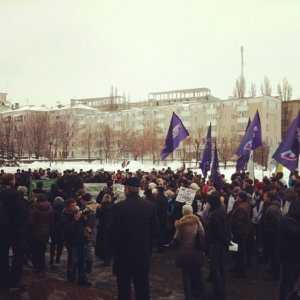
(242, 78)
(242, 61)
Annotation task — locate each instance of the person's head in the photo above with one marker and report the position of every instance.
(8, 179)
(242, 196)
(187, 209)
(214, 200)
(106, 198)
(70, 203)
(269, 196)
(132, 185)
(86, 197)
(41, 198)
(22, 189)
(58, 202)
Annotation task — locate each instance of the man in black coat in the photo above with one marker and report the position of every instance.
(289, 249)
(13, 225)
(218, 240)
(134, 227)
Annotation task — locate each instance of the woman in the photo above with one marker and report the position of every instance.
(190, 238)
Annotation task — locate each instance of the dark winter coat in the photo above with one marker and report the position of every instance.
(190, 238)
(67, 220)
(14, 213)
(217, 227)
(133, 230)
(240, 220)
(290, 235)
(57, 235)
(271, 218)
(41, 221)
(104, 216)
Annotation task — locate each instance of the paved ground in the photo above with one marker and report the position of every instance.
(165, 283)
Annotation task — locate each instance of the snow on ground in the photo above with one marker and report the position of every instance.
(133, 166)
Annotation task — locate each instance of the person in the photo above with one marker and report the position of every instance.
(56, 246)
(134, 227)
(78, 237)
(104, 216)
(190, 238)
(41, 225)
(289, 249)
(66, 219)
(240, 221)
(13, 225)
(270, 227)
(218, 241)
(88, 209)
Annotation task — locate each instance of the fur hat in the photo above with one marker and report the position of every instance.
(187, 209)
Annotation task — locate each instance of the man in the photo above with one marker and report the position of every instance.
(13, 224)
(289, 250)
(270, 227)
(133, 229)
(240, 218)
(218, 240)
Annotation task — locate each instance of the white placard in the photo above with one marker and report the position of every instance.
(186, 195)
(118, 188)
(94, 188)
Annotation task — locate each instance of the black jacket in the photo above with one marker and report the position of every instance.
(134, 227)
(290, 235)
(217, 227)
(16, 214)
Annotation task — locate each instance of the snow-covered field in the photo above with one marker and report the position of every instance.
(133, 166)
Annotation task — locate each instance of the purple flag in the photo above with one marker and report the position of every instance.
(206, 157)
(176, 133)
(252, 138)
(242, 161)
(215, 174)
(287, 153)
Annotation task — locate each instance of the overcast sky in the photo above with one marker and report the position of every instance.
(54, 50)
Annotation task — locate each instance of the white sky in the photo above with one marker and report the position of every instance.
(53, 50)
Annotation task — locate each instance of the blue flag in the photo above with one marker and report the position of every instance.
(176, 133)
(288, 152)
(206, 157)
(242, 161)
(215, 174)
(252, 138)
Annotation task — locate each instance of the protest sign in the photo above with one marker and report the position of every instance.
(186, 195)
(94, 188)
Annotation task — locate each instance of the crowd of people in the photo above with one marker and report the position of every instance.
(261, 217)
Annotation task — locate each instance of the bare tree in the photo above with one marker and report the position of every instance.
(240, 88)
(108, 140)
(266, 87)
(284, 90)
(37, 125)
(253, 91)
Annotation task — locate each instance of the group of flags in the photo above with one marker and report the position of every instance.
(286, 154)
